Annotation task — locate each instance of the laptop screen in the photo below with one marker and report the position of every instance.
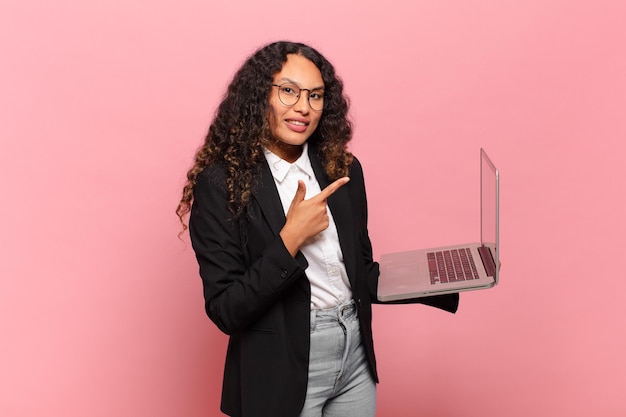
(489, 207)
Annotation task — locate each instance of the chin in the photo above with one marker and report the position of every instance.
(298, 140)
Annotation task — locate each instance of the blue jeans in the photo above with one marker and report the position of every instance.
(340, 383)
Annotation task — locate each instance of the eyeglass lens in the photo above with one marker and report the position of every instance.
(289, 94)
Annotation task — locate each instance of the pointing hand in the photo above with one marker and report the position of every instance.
(306, 218)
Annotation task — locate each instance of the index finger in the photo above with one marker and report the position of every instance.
(331, 188)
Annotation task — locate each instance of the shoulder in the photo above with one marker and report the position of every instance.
(212, 174)
(211, 184)
(356, 165)
(356, 171)
(213, 177)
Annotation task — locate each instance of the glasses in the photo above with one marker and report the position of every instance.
(289, 94)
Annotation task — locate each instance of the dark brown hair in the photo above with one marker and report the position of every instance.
(240, 128)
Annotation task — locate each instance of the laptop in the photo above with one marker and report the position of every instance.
(449, 269)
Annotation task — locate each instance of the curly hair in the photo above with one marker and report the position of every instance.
(240, 128)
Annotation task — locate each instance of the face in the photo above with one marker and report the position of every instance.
(291, 126)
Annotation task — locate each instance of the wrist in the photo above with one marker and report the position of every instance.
(291, 241)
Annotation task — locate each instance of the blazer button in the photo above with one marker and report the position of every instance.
(283, 274)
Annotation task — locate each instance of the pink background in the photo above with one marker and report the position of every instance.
(103, 103)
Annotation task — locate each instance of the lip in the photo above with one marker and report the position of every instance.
(300, 126)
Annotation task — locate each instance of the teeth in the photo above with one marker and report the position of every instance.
(297, 122)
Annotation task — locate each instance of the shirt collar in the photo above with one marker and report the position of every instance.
(280, 167)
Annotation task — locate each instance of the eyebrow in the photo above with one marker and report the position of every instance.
(293, 82)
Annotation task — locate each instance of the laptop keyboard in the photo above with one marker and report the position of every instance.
(451, 266)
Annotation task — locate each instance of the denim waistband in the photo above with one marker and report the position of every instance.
(334, 314)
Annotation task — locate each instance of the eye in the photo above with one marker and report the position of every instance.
(317, 95)
(289, 90)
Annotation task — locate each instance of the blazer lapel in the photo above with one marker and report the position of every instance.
(269, 201)
(341, 208)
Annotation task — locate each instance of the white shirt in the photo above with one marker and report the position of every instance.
(326, 271)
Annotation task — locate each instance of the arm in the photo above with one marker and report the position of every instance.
(448, 302)
(244, 267)
(239, 286)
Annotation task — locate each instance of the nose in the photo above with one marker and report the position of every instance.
(302, 105)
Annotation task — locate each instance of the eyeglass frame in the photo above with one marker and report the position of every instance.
(308, 96)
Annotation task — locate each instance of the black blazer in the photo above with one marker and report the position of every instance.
(257, 293)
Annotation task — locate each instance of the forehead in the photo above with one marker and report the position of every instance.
(300, 70)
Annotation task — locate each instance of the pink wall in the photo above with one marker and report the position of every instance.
(102, 104)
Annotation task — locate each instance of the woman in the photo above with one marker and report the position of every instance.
(279, 227)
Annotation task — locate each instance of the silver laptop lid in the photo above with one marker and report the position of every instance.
(490, 208)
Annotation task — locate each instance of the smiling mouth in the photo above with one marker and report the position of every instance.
(297, 123)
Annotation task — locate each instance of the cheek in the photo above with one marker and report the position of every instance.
(275, 112)
(315, 123)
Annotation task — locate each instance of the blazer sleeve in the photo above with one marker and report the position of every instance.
(237, 290)
(448, 302)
